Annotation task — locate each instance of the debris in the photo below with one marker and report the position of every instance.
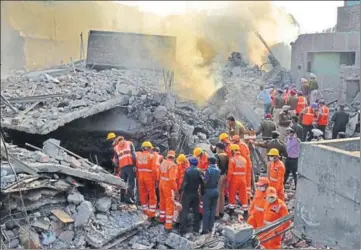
(62, 216)
(85, 209)
(75, 198)
(104, 204)
(67, 236)
(48, 238)
(28, 238)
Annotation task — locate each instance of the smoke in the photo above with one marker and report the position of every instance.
(203, 37)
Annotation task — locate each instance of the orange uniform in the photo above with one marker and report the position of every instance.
(244, 150)
(256, 209)
(323, 119)
(167, 188)
(286, 94)
(237, 180)
(276, 177)
(301, 104)
(308, 117)
(158, 158)
(274, 211)
(203, 161)
(124, 153)
(146, 175)
(182, 167)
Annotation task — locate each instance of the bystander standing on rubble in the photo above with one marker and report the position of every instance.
(266, 98)
(293, 152)
(284, 121)
(339, 119)
(292, 102)
(279, 103)
(322, 121)
(210, 195)
(266, 127)
(313, 87)
(222, 163)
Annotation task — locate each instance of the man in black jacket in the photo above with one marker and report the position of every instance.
(340, 119)
(222, 163)
(192, 183)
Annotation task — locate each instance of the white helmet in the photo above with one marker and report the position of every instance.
(312, 75)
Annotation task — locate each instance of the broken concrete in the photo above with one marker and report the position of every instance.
(85, 210)
(104, 204)
(328, 184)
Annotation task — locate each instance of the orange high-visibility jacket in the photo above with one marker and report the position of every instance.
(301, 104)
(158, 158)
(236, 167)
(256, 210)
(323, 119)
(124, 153)
(146, 165)
(203, 161)
(168, 174)
(307, 118)
(181, 170)
(245, 153)
(276, 175)
(285, 96)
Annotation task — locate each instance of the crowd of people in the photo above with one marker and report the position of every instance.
(202, 184)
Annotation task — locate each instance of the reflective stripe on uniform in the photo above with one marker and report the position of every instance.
(273, 179)
(169, 216)
(259, 208)
(169, 221)
(164, 178)
(266, 222)
(144, 170)
(151, 210)
(153, 206)
(239, 173)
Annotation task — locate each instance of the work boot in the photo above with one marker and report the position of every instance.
(167, 231)
(204, 232)
(151, 219)
(231, 213)
(245, 215)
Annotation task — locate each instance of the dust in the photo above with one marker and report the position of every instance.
(202, 36)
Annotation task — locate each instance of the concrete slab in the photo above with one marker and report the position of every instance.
(328, 193)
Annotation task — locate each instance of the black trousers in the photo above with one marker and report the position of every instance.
(336, 130)
(307, 128)
(291, 167)
(128, 175)
(323, 129)
(190, 200)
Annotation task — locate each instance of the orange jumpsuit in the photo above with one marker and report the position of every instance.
(244, 150)
(158, 160)
(236, 179)
(256, 209)
(276, 177)
(124, 153)
(203, 161)
(274, 211)
(180, 174)
(146, 175)
(167, 187)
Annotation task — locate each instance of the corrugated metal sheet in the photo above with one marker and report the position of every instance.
(129, 50)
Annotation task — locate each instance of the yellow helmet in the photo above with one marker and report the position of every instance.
(274, 152)
(223, 136)
(147, 144)
(197, 152)
(111, 136)
(234, 147)
(181, 158)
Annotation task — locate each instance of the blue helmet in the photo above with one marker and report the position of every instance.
(314, 105)
(193, 161)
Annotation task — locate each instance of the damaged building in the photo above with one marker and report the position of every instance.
(325, 54)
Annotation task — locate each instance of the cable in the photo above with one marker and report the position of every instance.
(18, 182)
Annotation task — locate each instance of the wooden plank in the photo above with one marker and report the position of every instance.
(61, 215)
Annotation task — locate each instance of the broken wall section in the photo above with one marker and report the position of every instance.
(328, 193)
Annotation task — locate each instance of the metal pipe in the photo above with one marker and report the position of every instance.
(277, 234)
(32, 146)
(275, 224)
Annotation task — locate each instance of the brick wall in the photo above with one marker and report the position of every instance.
(348, 18)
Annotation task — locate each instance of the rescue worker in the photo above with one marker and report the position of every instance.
(146, 177)
(158, 160)
(305, 89)
(256, 209)
(224, 138)
(168, 190)
(245, 153)
(292, 102)
(301, 103)
(339, 119)
(222, 163)
(293, 152)
(284, 122)
(307, 118)
(192, 182)
(126, 167)
(275, 209)
(276, 172)
(273, 143)
(111, 137)
(237, 181)
(235, 127)
(182, 164)
(202, 158)
(279, 103)
(210, 195)
(322, 117)
(266, 127)
(317, 135)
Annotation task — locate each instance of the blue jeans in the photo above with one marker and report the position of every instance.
(267, 108)
(210, 199)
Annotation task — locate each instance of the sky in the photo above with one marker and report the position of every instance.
(313, 16)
